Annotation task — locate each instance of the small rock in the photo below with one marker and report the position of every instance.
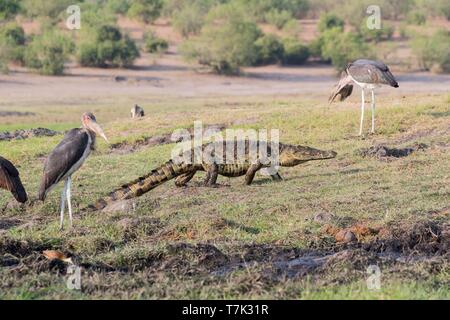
(322, 217)
(123, 206)
(345, 236)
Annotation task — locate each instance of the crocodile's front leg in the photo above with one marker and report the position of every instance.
(182, 180)
(212, 172)
(250, 175)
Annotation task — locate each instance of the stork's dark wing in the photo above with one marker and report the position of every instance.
(66, 154)
(10, 180)
(343, 89)
(369, 71)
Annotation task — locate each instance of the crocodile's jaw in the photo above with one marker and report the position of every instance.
(294, 155)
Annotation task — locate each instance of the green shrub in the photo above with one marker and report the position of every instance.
(189, 19)
(417, 18)
(12, 40)
(188, 16)
(48, 52)
(118, 6)
(291, 28)
(106, 46)
(95, 14)
(153, 44)
(9, 9)
(52, 9)
(270, 50)
(343, 47)
(226, 41)
(384, 33)
(294, 52)
(259, 8)
(434, 50)
(145, 10)
(329, 21)
(278, 18)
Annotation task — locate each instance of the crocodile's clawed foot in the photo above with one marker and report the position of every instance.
(215, 185)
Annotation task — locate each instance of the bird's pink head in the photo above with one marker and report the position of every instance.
(90, 122)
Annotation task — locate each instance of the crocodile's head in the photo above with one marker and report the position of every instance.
(293, 155)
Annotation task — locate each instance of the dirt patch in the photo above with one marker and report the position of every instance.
(383, 152)
(29, 133)
(413, 136)
(146, 142)
(16, 114)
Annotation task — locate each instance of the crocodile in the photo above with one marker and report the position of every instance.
(183, 167)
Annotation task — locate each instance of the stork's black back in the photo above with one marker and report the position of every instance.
(370, 71)
(10, 180)
(65, 156)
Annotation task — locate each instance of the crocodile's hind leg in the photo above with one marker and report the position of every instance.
(212, 172)
(182, 180)
(250, 175)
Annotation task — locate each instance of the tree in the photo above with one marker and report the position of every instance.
(48, 52)
(9, 9)
(104, 45)
(226, 41)
(343, 47)
(145, 10)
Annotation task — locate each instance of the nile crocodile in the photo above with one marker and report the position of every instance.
(184, 167)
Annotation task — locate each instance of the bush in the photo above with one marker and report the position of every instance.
(118, 6)
(376, 35)
(145, 10)
(341, 48)
(189, 18)
(259, 8)
(46, 8)
(226, 41)
(270, 50)
(434, 50)
(9, 9)
(330, 21)
(153, 44)
(417, 18)
(278, 18)
(294, 52)
(106, 46)
(48, 52)
(12, 40)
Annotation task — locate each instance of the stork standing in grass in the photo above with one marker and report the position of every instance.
(10, 180)
(68, 156)
(367, 74)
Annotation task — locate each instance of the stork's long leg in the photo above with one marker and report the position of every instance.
(63, 205)
(362, 112)
(69, 199)
(373, 112)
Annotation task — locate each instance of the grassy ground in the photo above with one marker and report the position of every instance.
(262, 241)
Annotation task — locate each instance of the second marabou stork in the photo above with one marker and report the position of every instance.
(367, 74)
(10, 180)
(68, 156)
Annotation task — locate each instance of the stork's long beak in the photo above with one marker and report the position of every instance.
(98, 130)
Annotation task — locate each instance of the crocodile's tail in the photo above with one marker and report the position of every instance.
(137, 188)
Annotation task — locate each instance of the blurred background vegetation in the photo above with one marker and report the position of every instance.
(225, 35)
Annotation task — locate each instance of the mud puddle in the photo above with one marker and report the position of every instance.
(396, 246)
(383, 152)
(28, 133)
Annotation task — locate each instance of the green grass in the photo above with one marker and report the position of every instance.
(142, 260)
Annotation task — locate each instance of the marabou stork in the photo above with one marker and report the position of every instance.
(367, 74)
(10, 180)
(68, 156)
